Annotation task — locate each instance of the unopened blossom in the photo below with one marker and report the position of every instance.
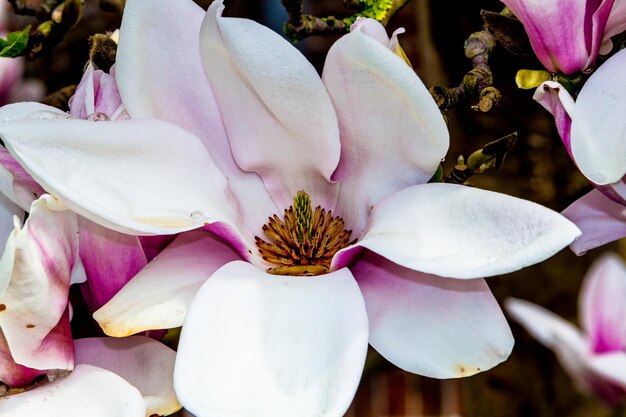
(595, 355)
(306, 224)
(568, 35)
(593, 128)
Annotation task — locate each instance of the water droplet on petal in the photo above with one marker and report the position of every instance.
(46, 115)
(98, 117)
(197, 215)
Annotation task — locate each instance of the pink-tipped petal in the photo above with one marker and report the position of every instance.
(392, 132)
(33, 304)
(428, 325)
(600, 219)
(598, 144)
(158, 64)
(264, 345)
(159, 296)
(110, 260)
(143, 362)
(464, 232)
(96, 93)
(555, 98)
(603, 304)
(289, 134)
(137, 176)
(17, 184)
(87, 391)
(12, 374)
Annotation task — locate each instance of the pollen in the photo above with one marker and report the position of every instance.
(304, 241)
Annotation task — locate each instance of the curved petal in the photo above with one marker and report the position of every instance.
(153, 71)
(87, 391)
(564, 34)
(11, 373)
(289, 134)
(603, 304)
(600, 219)
(610, 384)
(110, 260)
(556, 99)
(96, 92)
(30, 110)
(8, 210)
(563, 338)
(463, 232)
(16, 183)
(616, 22)
(441, 328)
(392, 132)
(42, 256)
(159, 295)
(598, 144)
(136, 176)
(146, 364)
(264, 345)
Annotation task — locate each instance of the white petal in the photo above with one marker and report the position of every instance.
(598, 143)
(289, 134)
(463, 232)
(159, 295)
(146, 364)
(87, 391)
(392, 132)
(8, 209)
(260, 345)
(30, 110)
(432, 326)
(136, 176)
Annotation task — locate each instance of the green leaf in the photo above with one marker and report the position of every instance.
(15, 43)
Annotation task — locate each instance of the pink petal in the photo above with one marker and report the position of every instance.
(12, 373)
(564, 34)
(432, 326)
(110, 260)
(392, 132)
(158, 297)
(87, 391)
(600, 219)
(153, 72)
(289, 134)
(268, 345)
(96, 92)
(603, 304)
(554, 97)
(39, 259)
(143, 362)
(463, 232)
(16, 183)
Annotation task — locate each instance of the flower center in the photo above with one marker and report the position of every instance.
(304, 241)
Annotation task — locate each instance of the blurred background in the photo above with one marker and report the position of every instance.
(530, 383)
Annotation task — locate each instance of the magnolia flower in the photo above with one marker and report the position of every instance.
(567, 36)
(592, 129)
(267, 172)
(594, 357)
(35, 335)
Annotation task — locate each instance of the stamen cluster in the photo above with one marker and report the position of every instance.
(304, 241)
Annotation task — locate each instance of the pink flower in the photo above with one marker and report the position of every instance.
(228, 123)
(594, 357)
(568, 35)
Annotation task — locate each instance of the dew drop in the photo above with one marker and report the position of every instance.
(197, 215)
(98, 117)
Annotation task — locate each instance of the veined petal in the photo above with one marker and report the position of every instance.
(260, 345)
(600, 219)
(87, 391)
(42, 255)
(158, 297)
(603, 305)
(428, 325)
(392, 132)
(598, 144)
(136, 176)
(564, 34)
(463, 232)
(289, 135)
(158, 63)
(110, 260)
(143, 362)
